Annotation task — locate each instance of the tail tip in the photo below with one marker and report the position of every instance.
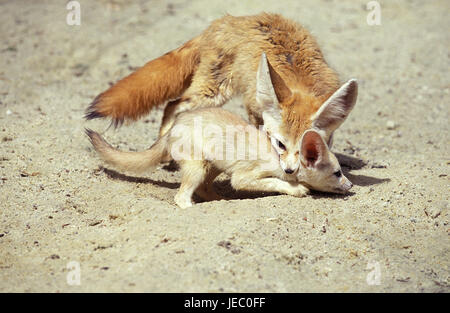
(92, 114)
(90, 133)
(91, 111)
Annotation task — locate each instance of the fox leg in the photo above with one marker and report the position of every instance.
(242, 181)
(193, 175)
(254, 118)
(254, 110)
(170, 112)
(176, 107)
(255, 121)
(206, 190)
(202, 94)
(184, 104)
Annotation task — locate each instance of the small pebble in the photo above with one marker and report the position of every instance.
(435, 210)
(391, 125)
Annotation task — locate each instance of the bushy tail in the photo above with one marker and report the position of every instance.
(129, 161)
(153, 84)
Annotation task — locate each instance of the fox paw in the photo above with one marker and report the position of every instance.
(182, 201)
(300, 191)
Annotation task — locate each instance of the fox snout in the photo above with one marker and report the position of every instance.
(288, 169)
(289, 164)
(346, 184)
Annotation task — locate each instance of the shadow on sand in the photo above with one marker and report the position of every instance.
(349, 163)
(224, 188)
(141, 180)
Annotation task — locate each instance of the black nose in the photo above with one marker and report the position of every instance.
(289, 171)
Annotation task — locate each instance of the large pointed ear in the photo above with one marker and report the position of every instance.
(336, 109)
(270, 87)
(272, 119)
(313, 148)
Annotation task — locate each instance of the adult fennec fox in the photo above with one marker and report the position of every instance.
(295, 87)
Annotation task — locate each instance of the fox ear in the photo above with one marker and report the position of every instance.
(270, 87)
(336, 109)
(313, 148)
(271, 119)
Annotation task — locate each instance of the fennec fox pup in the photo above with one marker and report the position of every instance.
(206, 142)
(293, 80)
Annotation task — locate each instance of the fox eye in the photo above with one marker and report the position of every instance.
(338, 173)
(281, 145)
(276, 143)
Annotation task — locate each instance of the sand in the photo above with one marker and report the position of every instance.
(69, 225)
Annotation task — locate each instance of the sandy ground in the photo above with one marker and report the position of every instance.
(59, 206)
